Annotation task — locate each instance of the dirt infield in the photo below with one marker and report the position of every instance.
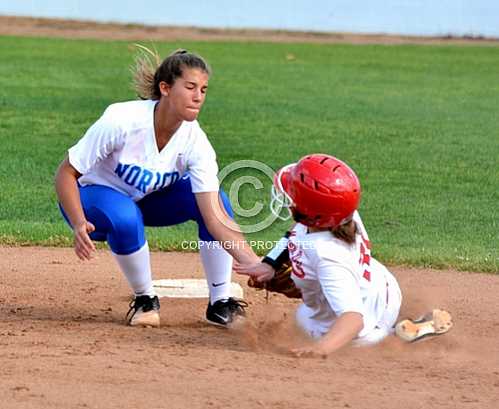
(43, 27)
(64, 345)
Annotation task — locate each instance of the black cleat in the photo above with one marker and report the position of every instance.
(144, 311)
(225, 312)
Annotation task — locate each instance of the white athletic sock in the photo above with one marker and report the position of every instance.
(217, 265)
(137, 270)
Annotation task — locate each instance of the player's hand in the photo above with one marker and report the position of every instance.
(258, 271)
(84, 247)
(310, 351)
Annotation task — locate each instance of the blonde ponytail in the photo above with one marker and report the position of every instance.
(144, 70)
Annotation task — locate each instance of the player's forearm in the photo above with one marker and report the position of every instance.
(344, 330)
(223, 228)
(68, 194)
(233, 241)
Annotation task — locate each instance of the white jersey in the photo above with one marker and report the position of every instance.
(335, 277)
(120, 151)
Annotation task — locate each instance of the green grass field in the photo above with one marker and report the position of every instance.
(419, 124)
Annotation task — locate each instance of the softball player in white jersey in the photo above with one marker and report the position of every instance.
(347, 294)
(149, 163)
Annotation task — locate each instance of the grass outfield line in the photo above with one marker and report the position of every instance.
(419, 124)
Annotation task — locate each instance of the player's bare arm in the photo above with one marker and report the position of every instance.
(346, 327)
(69, 198)
(259, 271)
(224, 229)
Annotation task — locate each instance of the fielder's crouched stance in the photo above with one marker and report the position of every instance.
(149, 163)
(347, 295)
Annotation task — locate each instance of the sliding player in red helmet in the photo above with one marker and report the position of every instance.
(347, 295)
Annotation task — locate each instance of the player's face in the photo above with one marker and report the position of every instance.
(188, 93)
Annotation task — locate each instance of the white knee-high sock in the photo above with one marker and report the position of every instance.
(217, 265)
(137, 270)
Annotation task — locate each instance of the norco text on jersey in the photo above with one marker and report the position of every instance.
(142, 178)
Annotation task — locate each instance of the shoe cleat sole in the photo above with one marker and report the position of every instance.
(435, 323)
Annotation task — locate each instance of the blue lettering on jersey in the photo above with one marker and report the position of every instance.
(145, 179)
(169, 179)
(158, 179)
(141, 178)
(121, 169)
(132, 175)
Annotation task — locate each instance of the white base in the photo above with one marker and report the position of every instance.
(189, 288)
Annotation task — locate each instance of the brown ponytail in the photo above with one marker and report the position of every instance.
(346, 232)
(149, 70)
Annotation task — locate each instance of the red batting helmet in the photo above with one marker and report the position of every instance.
(324, 192)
